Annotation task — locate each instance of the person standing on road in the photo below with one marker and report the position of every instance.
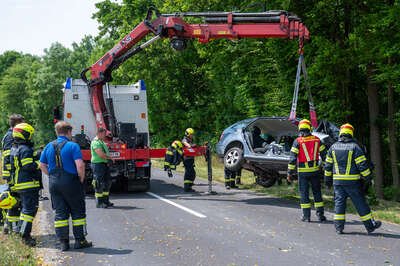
(62, 161)
(230, 178)
(304, 154)
(188, 162)
(345, 165)
(12, 215)
(100, 168)
(26, 175)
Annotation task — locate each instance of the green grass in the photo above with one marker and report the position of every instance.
(14, 253)
(388, 211)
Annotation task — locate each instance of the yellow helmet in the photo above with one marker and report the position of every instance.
(305, 124)
(177, 144)
(346, 129)
(6, 200)
(23, 131)
(189, 131)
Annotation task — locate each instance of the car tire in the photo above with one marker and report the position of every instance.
(266, 180)
(233, 159)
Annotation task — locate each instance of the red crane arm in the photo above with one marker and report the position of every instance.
(218, 25)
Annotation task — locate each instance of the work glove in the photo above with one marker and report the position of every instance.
(366, 184)
(170, 175)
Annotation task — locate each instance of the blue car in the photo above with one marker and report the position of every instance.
(262, 145)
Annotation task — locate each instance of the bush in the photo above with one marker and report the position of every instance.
(391, 193)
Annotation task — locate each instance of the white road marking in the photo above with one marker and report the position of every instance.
(177, 205)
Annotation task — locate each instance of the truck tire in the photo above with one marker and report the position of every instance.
(233, 159)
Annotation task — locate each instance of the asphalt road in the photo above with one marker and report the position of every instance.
(236, 227)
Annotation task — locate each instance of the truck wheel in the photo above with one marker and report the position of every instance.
(233, 159)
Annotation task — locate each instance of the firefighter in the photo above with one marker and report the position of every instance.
(231, 177)
(188, 161)
(101, 172)
(173, 156)
(26, 175)
(62, 161)
(12, 215)
(345, 167)
(304, 154)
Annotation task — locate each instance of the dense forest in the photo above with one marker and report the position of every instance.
(353, 66)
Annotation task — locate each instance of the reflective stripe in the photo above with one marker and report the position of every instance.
(12, 218)
(322, 147)
(26, 161)
(98, 195)
(25, 185)
(60, 223)
(346, 177)
(329, 159)
(303, 145)
(315, 151)
(167, 164)
(366, 217)
(291, 166)
(106, 193)
(305, 205)
(318, 204)
(6, 173)
(348, 166)
(6, 152)
(308, 169)
(188, 182)
(335, 162)
(169, 153)
(79, 222)
(339, 217)
(294, 150)
(360, 159)
(366, 172)
(26, 217)
(328, 173)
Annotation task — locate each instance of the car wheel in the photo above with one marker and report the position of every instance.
(266, 180)
(233, 159)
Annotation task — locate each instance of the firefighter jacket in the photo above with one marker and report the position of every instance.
(173, 157)
(305, 153)
(190, 142)
(6, 145)
(24, 168)
(346, 163)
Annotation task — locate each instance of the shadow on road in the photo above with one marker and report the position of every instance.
(127, 208)
(377, 234)
(104, 251)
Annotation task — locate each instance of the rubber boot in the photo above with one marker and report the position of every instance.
(82, 243)
(306, 215)
(100, 203)
(371, 225)
(64, 244)
(339, 226)
(29, 241)
(107, 202)
(233, 185)
(320, 215)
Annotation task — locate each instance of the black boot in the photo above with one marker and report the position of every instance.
(82, 243)
(29, 241)
(305, 219)
(64, 244)
(374, 225)
(321, 216)
(107, 202)
(100, 203)
(306, 215)
(233, 185)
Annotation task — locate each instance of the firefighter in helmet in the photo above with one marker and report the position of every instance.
(346, 164)
(173, 156)
(304, 155)
(12, 214)
(26, 175)
(188, 161)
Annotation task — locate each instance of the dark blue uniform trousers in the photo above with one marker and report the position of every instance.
(68, 198)
(342, 192)
(190, 173)
(305, 179)
(29, 206)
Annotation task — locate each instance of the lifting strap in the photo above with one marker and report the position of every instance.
(301, 67)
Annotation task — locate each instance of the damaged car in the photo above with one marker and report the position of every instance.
(262, 145)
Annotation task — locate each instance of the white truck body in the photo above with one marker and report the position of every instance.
(130, 106)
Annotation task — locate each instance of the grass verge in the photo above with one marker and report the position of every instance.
(388, 211)
(14, 252)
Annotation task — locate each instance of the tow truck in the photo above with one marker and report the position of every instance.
(131, 159)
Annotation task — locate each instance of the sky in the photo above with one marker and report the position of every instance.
(30, 26)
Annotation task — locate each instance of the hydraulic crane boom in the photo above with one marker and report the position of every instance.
(217, 25)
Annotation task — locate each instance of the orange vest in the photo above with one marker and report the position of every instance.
(308, 149)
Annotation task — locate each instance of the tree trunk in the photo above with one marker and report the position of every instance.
(392, 137)
(375, 136)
